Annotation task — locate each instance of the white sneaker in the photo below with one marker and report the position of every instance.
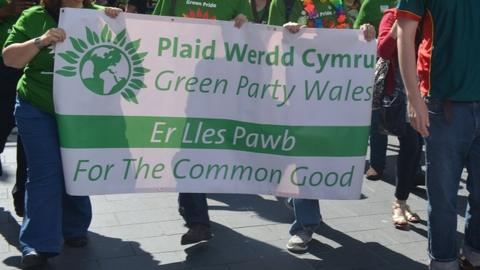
(299, 241)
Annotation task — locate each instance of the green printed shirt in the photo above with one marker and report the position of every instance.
(36, 83)
(329, 14)
(225, 10)
(372, 11)
(5, 25)
(447, 66)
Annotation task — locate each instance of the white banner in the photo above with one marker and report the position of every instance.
(149, 103)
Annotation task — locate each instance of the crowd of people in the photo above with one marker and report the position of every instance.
(424, 58)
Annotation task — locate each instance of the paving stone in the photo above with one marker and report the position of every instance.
(140, 262)
(280, 262)
(104, 220)
(58, 264)
(129, 232)
(378, 236)
(167, 243)
(147, 216)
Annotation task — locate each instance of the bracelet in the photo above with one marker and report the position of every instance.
(38, 43)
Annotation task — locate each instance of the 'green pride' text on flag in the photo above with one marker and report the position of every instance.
(151, 104)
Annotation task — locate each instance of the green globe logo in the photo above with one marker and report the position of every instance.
(105, 70)
(107, 64)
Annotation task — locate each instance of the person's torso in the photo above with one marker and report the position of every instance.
(5, 28)
(36, 83)
(447, 63)
(5, 25)
(372, 11)
(260, 16)
(206, 9)
(322, 14)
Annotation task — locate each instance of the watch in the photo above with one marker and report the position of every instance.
(38, 43)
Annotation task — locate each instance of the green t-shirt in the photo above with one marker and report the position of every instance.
(36, 83)
(5, 25)
(279, 13)
(224, 10)
(371, 12)
(322, 14)
(262, 15)
(447, 66)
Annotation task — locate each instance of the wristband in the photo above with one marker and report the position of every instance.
(38, 43)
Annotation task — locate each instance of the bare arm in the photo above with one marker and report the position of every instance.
(18, 55)
(417, 110)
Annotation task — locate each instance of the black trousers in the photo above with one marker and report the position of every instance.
(408, 162)
(9, 78)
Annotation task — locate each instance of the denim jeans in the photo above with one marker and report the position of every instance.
(454, 143)
(378, 144)
(408, 162)
(194, 208)
(307, 215)
(50, 213)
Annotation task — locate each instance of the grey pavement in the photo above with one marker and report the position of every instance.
(142, 232)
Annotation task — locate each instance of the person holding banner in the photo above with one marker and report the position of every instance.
(193, 206)
(444, 107)
(294, 15)
(50, 214)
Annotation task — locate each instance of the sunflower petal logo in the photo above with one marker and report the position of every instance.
(107, 64)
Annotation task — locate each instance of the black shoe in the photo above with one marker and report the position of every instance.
(33, 259)
(76, 242)
(466, 265)
(196, 233)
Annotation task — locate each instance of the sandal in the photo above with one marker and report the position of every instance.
(399, 219)
(411, 216)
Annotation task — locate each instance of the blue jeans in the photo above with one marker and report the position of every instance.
(50, 213)
(454, 143)
(194, 208)
(378, 144)
(307, 215)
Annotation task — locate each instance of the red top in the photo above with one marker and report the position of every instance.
(387, 47)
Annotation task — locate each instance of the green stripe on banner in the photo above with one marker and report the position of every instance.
(79, 132)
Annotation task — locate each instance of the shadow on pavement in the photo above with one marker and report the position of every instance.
(272, 210)
(227, 250)
(229, 247)
(94, 256)
(354, 254)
